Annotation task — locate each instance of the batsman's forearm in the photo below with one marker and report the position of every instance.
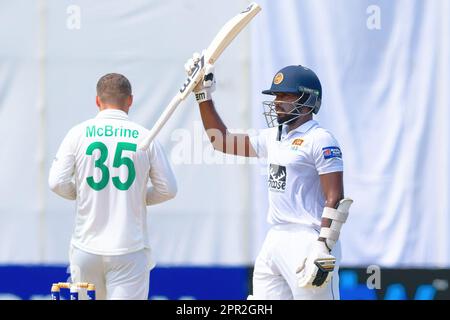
(213, 125)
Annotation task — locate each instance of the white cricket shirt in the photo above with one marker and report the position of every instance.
(294, 165)
(99, 165)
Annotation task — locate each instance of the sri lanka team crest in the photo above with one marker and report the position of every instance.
(296, 144)
(278, 78)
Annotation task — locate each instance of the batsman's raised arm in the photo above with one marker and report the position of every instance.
(221, 139)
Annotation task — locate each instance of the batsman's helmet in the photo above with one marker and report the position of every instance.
(301, 81)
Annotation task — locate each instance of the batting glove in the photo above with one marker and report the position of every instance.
(205, 87)
(317, 269)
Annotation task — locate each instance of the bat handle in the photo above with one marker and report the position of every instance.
(145, 143)
(148, 139)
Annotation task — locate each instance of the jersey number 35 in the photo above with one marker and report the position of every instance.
(118, 161)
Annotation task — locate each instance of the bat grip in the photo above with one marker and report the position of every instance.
(160, 122)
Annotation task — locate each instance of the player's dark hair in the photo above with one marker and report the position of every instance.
(114, 88)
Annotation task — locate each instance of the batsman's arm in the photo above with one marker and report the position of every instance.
(333, 190)
(316, 270)
(336, 209)
(221, 139)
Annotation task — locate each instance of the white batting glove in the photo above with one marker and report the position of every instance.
(205, 87)
(317, 269)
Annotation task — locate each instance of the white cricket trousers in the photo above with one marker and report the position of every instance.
(283, 250)
(121, 277)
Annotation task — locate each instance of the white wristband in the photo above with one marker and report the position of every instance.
(203, 95)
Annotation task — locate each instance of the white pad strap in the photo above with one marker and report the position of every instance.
(338, 217)
(335, 214)
(329, 234)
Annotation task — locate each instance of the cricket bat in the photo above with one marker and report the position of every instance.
(220, 42)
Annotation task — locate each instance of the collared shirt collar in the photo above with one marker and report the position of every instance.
(112, 114)
(301, 129)
(306, 126)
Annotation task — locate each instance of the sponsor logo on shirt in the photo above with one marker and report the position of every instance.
(331, 152)
(277, 178)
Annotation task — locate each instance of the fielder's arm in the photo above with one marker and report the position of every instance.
(164, 184)
(221, 139)
(61, 176)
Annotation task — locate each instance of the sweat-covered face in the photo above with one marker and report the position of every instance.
(285, 109)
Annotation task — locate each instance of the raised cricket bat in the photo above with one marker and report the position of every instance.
(226, 34)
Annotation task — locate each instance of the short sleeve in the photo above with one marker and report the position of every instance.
(259, 143)
(327, 153)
